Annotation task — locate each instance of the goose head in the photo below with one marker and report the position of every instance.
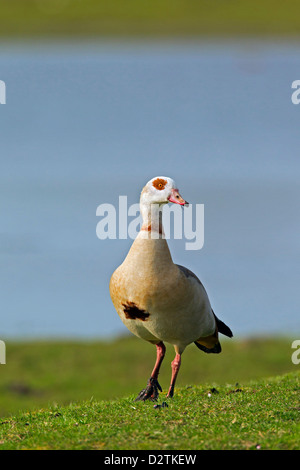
(161, 190)
(158, 192)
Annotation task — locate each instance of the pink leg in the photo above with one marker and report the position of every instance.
(160, 354)
(175, 369)
(152, 390)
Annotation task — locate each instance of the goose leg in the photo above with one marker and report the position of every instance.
(175, 369)
(152, 390)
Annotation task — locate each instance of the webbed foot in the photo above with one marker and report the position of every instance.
(151, 392)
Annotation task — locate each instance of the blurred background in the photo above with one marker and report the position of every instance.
(103, 96)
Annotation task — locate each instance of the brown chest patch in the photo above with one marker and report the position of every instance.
(132, 312)
(159, 183)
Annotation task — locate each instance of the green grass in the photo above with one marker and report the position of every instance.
(80, 395)
(262, 415)
(39, 374)
(85, 18)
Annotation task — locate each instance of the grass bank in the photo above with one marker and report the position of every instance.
(40, 374)
(262, 415)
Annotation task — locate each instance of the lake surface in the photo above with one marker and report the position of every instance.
(85, 123)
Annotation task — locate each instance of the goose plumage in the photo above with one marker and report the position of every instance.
(158, 300)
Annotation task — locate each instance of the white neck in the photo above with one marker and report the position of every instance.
(150, 250)
(152, 219)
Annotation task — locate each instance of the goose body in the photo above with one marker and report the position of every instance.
(160, 301)
(176, 307)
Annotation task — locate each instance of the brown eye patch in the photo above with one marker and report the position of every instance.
(159, 184)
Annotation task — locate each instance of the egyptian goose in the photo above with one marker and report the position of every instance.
(160, 301)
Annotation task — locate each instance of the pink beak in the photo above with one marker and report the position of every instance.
(177, 199)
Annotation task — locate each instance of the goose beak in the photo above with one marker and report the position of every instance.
(176, 198)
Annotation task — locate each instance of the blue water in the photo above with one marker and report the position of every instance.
(85, 123)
